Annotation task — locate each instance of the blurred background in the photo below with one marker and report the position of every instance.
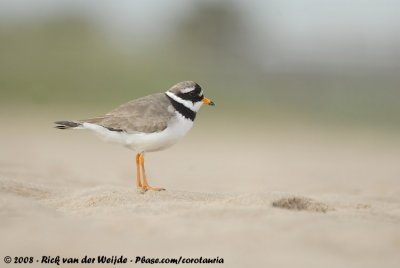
(332, 63)
(307, 96)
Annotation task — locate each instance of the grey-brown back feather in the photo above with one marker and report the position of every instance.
(147, 115)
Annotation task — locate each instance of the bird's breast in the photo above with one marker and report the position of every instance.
(177, 128)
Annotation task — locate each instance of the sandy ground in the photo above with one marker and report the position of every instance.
(269, 197)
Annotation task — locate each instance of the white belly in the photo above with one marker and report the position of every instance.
(146, 142)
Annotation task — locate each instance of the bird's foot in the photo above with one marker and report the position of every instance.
(150, 188)
(140, 190)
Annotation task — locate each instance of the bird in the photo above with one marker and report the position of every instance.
(147, 124)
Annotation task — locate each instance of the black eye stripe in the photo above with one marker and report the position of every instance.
(193, 95)
(193, 99)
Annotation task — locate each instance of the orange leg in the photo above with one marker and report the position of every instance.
(138, 182)
(145, 184)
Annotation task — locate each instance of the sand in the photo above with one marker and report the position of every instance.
(273, 197)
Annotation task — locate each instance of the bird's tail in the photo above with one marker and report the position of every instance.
(67, 124)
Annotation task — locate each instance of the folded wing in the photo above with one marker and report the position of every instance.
(144, 115)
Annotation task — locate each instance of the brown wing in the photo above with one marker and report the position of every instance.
(147, 115)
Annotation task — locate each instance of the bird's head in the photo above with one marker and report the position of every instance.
(189, 94)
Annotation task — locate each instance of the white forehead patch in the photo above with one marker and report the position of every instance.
(187, 89)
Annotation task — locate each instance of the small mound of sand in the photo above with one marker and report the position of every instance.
(300, 203)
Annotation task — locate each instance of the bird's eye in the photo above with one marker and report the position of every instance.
(192, 93)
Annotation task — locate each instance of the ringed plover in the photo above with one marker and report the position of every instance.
(148, 124)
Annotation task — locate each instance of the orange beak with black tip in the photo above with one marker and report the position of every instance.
(208, 101)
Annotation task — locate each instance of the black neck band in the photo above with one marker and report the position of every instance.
(182, 109)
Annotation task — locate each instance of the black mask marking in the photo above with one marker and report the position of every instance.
(193, 95)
